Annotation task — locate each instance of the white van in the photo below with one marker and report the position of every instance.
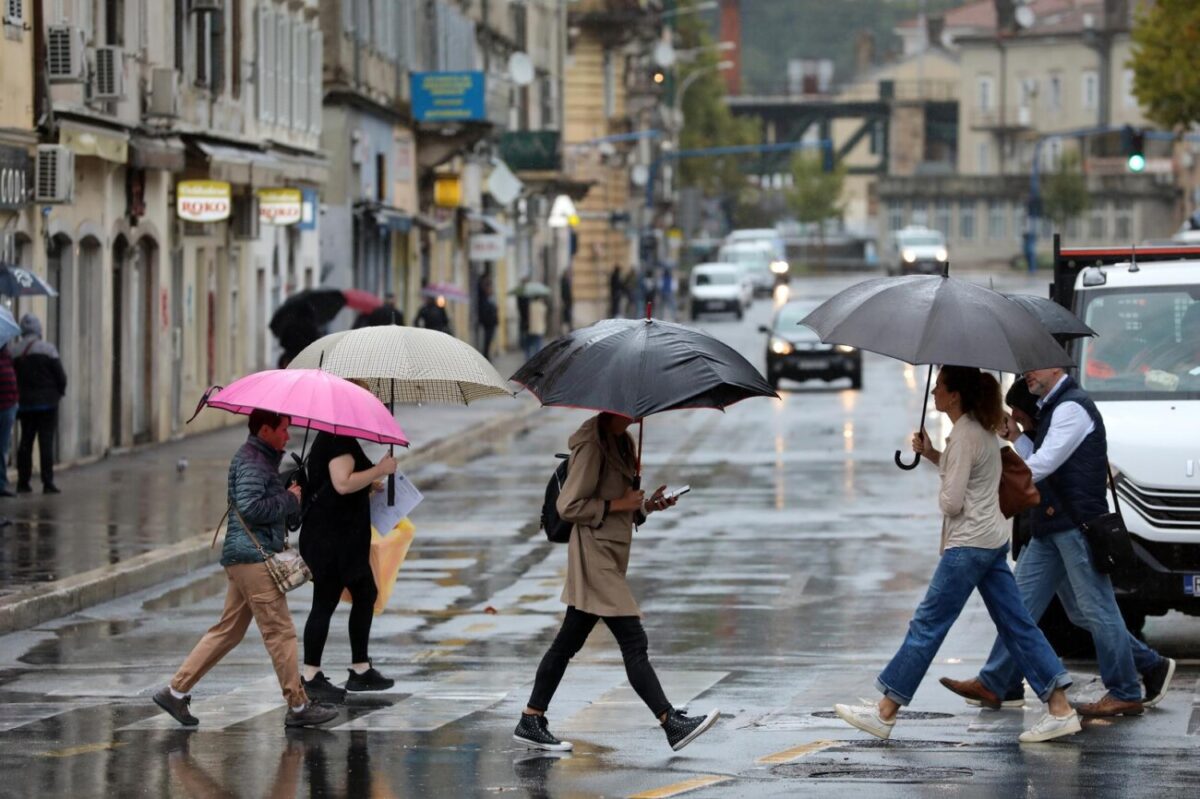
(754, 259)
(717, 288)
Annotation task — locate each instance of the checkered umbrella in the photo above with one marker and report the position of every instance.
(406, 364)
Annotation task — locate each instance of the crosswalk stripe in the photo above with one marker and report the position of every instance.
(676, 788)
(437, 704)
(620, 708)
(85, 749)
(17, 714)
(225, 710)
(796, 752)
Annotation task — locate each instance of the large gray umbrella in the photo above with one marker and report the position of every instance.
(937, 320)
(1057, 320)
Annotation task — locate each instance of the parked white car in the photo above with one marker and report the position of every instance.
(718, 288)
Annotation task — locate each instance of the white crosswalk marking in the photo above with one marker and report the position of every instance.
(219, 712)
(437, 704)
(621, 709)
(18, 714)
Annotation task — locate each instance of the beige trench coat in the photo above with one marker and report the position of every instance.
(598, 553)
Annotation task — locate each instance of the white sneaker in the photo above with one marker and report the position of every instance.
(1049, 727)
(866, 718)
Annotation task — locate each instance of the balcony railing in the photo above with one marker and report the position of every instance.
(1007, 117)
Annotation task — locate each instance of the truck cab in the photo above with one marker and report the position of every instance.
(1143, 372)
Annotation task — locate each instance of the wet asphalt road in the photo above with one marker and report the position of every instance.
(781, 584)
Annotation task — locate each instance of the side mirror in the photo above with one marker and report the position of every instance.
(764, 329)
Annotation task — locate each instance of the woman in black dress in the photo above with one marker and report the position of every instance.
(335, 542)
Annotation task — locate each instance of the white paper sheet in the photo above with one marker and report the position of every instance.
(383, 516)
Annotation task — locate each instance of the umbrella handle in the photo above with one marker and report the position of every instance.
(924, 403)
(906, 466)
(392, 448)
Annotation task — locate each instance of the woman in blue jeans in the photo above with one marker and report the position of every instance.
(973, 556)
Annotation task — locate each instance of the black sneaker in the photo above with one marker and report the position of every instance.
(321, 689)
(533, 732)
(1157, 681)
(24, 488)
(369, 680)
(682, 729)
(51, 488)
(179, 709)
(314, 713)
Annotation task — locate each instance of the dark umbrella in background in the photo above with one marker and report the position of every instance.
(1057, 320)
(936, 320)
(636, 367)
(18, 282)
(320, 306)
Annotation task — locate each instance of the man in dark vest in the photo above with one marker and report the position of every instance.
(1069, 460)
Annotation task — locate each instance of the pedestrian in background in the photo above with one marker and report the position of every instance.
(9, 397)
(386, 314)
(523, 317)
(335, 542)
(616, 292)
(600, 500)
(41, 384)
(537, 326)
(568, 301)
(489, 316)
(1068, 456)
(433, 315)
(667, 293)
(256, 498)
(974, 551)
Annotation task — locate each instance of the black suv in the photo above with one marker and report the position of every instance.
(795, 352)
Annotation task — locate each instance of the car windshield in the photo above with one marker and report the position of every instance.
(787, 321)
(715, 278)
(747, 257)
(920, 240)
(1147, 345)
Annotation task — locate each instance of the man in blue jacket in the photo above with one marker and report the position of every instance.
(258, 498)
(1068, 457)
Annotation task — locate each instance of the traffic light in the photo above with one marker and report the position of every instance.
(1135, 148)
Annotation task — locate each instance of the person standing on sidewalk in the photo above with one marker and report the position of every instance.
(1068, 456)
(599, 499)
(536, 334)
(489, 316)
(973, 557)
(335, 542)
(42, 383)
(258, 498)
(9, 397)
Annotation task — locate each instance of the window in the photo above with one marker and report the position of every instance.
(1029, 90)
(1091, 89)
(997, 220)
(1098, 224)
(895, 215)
(264, 76)
(983, 158)
(180, 35)
(983, 95)
(610, 84)
(316, 92)
(1054, 93)
(1053, 154)
(546, 97)
(1129, 99)
(299, 75)
(381, 177)
(114, 21)
(941, 216)
(966, 220)
(1123, 221)
(209, 30)
(283, 70)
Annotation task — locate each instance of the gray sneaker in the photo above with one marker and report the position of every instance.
(313, 714)
(179, 709)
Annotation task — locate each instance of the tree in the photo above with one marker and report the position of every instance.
(815, 195)
(1166, 36)
(1064, 193)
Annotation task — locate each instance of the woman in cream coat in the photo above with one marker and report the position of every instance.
(600, 500)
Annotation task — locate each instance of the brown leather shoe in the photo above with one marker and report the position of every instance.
(1109, 705)
(973, 691)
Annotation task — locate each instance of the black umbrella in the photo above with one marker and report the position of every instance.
(18, 282)
(936, 320)
(1057, 320)
(636, 367)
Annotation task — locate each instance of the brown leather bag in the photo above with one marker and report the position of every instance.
(1017, 491)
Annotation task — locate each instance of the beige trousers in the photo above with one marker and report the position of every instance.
(252, 594)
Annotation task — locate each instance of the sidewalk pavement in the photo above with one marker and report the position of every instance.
(129, 521)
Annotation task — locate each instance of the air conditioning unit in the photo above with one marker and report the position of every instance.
(108, 81)
(206, 6)
(64, 54)
(245, 217)
(164, 93)
(54, 179)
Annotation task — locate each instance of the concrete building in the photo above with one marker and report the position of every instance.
(18, 134)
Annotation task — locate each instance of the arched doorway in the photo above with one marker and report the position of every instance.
(132, 325)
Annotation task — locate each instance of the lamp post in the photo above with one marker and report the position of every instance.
(692, 77)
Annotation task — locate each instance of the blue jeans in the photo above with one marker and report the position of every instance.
(1062, 562)
(960, 571)
(8, 420)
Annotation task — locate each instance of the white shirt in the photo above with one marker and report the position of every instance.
(970, 493)
(1069, 426)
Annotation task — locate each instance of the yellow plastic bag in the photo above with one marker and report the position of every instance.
(387, 556)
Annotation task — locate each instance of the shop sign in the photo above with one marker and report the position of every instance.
(203, 200)
(16, 178)
(447, 191)
(309, 210)
(448, 97)
(486, 247)
(280, 206)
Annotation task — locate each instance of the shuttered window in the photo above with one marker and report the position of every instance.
(348, 16)
(299, 75)
(266, 64)
(283, 71)
(315, 88)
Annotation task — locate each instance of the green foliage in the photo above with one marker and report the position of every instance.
(815, 194)
(1166, 82)
(1064, 191)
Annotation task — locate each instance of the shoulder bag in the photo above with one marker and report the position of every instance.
(1017, 490)
(287, 569)
(1106, 534)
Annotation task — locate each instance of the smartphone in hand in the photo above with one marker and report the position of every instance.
(675, 493)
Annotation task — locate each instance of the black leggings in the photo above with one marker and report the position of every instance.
(326, 596)
(570, 639)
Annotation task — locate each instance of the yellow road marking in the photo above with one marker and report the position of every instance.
(677, 788)
(85, 749)
(480, 627)
(796, 752)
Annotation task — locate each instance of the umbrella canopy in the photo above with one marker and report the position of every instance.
(530, 289)
(319, 306)
(8, 325)
(18, 282)
(636, 367)
(1057, 320)
(447, 290)
(930, 319)
(406, 364)
(313, 399)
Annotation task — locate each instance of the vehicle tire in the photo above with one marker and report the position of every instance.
(695, 314)
(1134, 615)
(739, 313)
(856, 381)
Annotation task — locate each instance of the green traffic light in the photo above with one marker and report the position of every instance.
(1136, 162)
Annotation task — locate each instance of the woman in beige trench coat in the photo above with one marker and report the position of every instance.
(600, 500)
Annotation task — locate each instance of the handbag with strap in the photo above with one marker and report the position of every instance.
(1106, 534)
(1017, 490)
(287, 569)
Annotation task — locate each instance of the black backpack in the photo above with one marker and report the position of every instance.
(557, 530)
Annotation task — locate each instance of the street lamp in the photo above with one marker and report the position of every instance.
(691, 78)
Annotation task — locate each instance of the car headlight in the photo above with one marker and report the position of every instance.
(942, 255)
(779, 267)
(781, 346)
(909, 256)
(844, 348)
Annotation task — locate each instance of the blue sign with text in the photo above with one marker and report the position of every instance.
(448, 97)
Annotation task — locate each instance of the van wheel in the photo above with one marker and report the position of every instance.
(856, 381)
(739, 314)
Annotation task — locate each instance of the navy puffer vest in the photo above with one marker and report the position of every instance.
(1082, 478)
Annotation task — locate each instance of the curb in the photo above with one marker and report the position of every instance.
(80, 591)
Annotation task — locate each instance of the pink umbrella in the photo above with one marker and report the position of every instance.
(312, 398)
(361, 301)
(447, 290)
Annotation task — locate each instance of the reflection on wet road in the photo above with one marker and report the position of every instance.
(779, 585)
